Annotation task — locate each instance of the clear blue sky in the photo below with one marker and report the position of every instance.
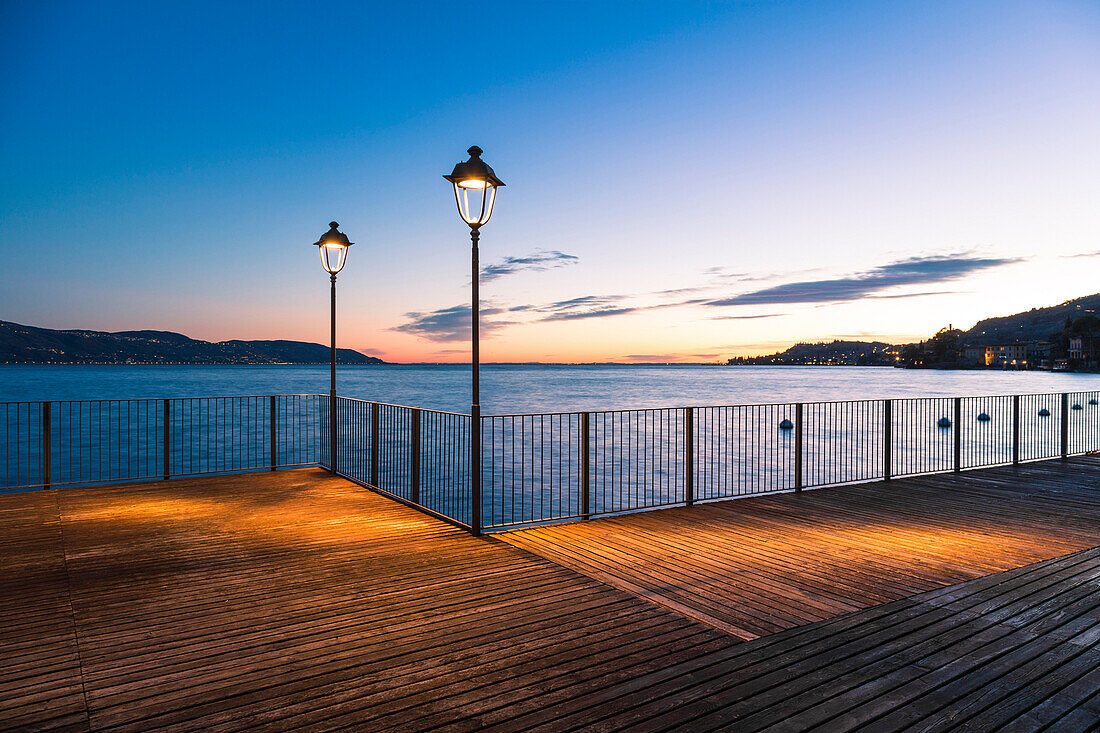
(685, 180)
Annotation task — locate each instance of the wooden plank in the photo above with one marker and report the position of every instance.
(759, 565)
(295, 599)
(755, 678)
(40, 674)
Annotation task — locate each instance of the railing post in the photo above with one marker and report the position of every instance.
(46, 442)
(958, 434)
(332, 433)
(273, 434)
(586, 462)
(414, 457)
(167, 410)
(887, 439)
(375, 430)
(689, 455)
(1016, 430)
(1065, 425)
(475, 469)
(798, 449)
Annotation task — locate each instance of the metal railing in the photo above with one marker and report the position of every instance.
(551, 467)
(49, 444)
(541, 467)
(418, 456)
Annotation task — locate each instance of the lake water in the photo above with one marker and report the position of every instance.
(528, 388)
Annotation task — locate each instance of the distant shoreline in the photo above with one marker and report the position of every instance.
(466, 365)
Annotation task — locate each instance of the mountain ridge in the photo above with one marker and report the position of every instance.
(35, 345)
(1032, 325)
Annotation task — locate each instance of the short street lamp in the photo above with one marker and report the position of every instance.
(333, 247)
(475, 186)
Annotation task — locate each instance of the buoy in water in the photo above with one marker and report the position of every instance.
(786, 425)
(943, 423)
(1044, 412)
(983, 417)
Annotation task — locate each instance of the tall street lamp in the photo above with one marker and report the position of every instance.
(475, 186)
(333, 247)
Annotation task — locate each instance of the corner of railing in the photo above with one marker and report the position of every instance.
(414, 456)
(475, 470)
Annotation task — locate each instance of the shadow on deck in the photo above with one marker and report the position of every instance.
(298, 600)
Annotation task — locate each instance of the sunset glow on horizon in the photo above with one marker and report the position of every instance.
(686, 181)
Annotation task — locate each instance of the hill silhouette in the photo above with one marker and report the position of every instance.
(30, 344)
(1036, 324)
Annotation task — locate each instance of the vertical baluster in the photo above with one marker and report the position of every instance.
(1065, 425)
(586, 458)
(689, 456)
(414, 457)
(958, 434)
(1015, 430)
(272, 432)
(166, 409)
(46, 445)
(374, 430)
(798, 479)
(887, 439)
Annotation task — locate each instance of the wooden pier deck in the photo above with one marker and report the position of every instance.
(763, 564)
(295, 600)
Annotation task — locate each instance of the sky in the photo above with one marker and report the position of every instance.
(686, 181)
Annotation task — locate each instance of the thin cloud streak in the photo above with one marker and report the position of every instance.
(537, 261)
(747, 318)
(453, 324)
(450, 324)
(917, 295)
(913, 271)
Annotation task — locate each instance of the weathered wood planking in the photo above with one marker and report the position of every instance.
(40, 682)
(297, 600)
(294, 600)
(759, 565)
(1015, 651)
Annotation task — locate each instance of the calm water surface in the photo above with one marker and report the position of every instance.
(528, 388)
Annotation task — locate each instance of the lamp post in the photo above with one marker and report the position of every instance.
(333, 248)
(475, 186)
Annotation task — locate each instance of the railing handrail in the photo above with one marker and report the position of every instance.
(672, 408)
(403, 407)
(232, 397)
(161, 399)
(563, 412)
